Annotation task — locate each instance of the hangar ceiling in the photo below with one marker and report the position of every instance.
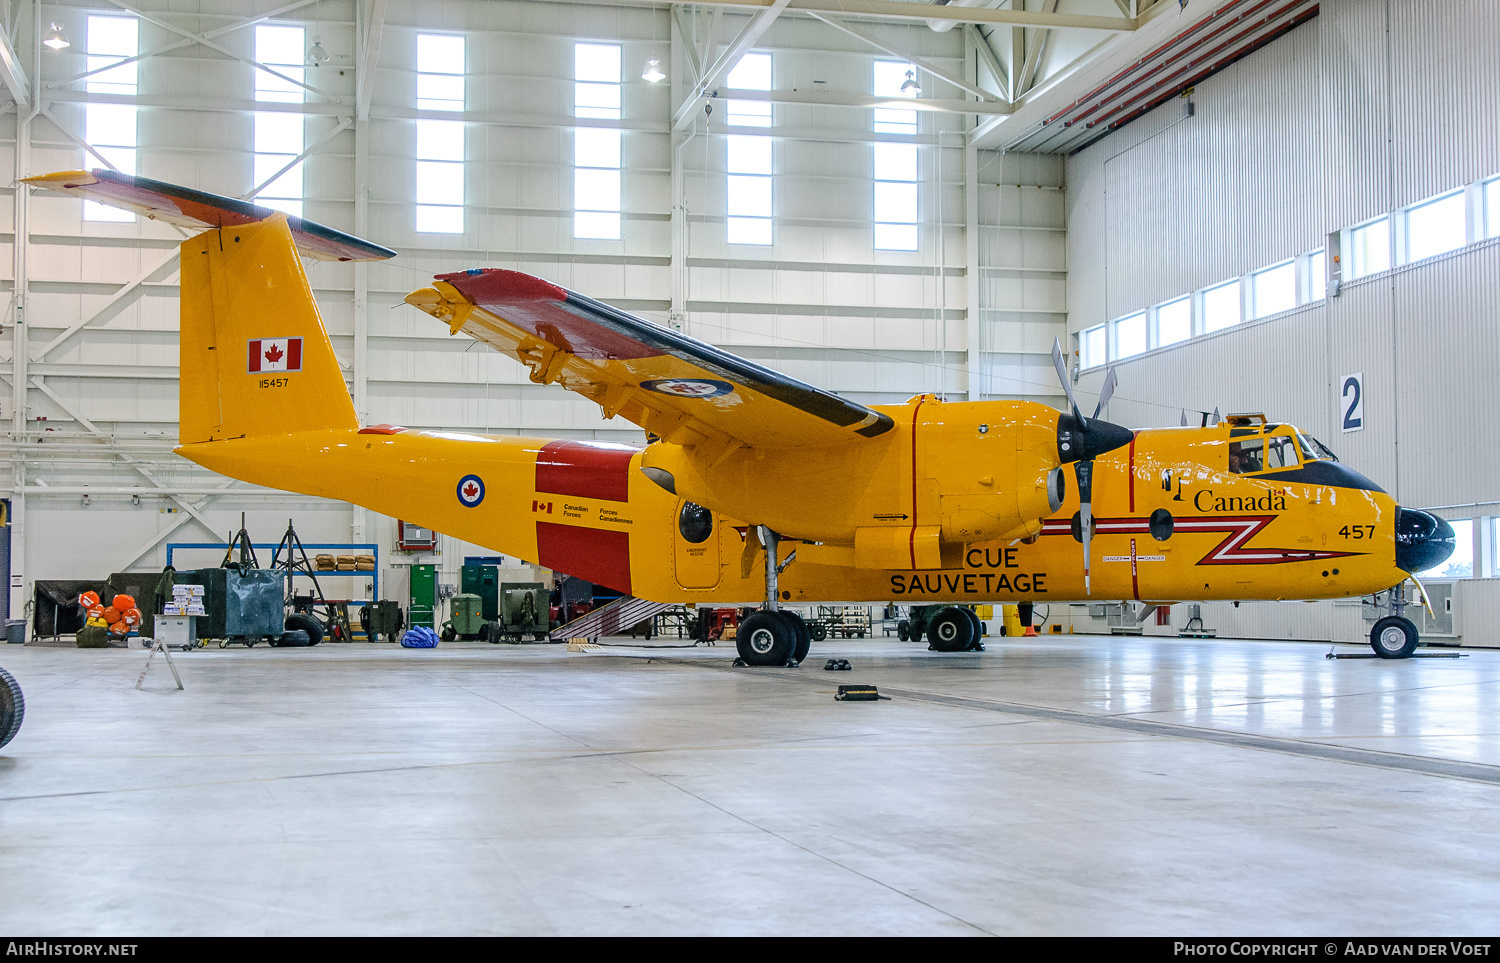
(1051, 76)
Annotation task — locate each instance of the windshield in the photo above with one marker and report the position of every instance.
(1313, 449)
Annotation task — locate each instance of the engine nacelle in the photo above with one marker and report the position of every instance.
(946, 476)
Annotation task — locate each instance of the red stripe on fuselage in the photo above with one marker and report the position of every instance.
(598, 555)
(584, 470)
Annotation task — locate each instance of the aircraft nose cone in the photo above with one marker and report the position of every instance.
(1422, 540)
(1075, 444)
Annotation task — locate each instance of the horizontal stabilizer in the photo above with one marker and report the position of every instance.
(197, 209)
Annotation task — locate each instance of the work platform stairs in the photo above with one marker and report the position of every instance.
(615, 618)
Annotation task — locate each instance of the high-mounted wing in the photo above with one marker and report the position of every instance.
(681, 389)
(198, 209)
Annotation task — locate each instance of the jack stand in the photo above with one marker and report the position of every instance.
(159, 646)
(241, 541)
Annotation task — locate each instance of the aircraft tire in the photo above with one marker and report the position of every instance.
(949, 630)
(308, 624)
(12, 707)
(1394, 637)
(903, 630)
(802, 633)
(973, 616)
(295, 639)
(765, 639)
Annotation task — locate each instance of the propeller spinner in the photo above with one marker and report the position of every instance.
(1080, 440)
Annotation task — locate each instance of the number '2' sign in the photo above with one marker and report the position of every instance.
(1352, 401)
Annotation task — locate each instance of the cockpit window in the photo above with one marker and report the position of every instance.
(1313, 449)
(1269, 453)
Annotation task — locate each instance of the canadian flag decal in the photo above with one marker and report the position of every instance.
(275, 354)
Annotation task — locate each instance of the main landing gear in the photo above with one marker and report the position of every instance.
(1395, 637)
(772, 637)
(949, 628)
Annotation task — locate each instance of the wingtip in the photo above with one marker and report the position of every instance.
(503, 284)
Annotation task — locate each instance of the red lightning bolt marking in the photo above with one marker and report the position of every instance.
(1239, 530)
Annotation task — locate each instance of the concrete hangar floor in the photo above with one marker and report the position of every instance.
(1062, 785)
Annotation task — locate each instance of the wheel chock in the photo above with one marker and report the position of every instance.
(835, 665)
(858, 693)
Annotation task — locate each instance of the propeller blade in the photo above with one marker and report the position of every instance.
(1084, 470)
(1107, 392)
(1067, 384)
(1217, 419)
(1184, 418)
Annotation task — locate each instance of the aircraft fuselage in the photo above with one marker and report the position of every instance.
(1172, 521)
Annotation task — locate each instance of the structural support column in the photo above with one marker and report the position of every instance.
(368, 26)
(680, 56)
(973, 282)
(20, 350)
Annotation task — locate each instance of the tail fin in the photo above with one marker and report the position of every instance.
(255, 358)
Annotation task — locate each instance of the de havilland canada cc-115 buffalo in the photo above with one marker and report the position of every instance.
(755, 487)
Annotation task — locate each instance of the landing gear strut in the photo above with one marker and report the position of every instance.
(1395, 637)
(771, 637)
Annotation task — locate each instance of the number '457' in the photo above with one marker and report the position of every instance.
(1358, 531)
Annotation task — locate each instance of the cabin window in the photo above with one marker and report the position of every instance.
(1270, 453)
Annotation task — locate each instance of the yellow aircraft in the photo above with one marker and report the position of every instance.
(755, 487)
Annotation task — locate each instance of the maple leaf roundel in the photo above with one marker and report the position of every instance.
(470, 491)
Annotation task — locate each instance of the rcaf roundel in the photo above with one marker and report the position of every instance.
(275, 354)
(470, 491)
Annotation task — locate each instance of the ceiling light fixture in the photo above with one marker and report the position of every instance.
(910, 87)
(55, 38)
(316, 55)
(653, 73)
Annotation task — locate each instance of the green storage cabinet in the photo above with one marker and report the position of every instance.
(483, 581)
(423, 595)
(468, 615)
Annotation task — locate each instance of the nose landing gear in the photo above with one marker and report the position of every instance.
(1395, 637)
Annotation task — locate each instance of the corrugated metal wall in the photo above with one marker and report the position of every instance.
(1371, 106)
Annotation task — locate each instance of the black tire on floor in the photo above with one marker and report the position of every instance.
(1394, 637)
(295, 639)
(903, 630)
(978, 645)
(802, 633)
(12, 707)
(950, 630)
(765, 639)
(819, 631)
(308, 624)
(448, 634)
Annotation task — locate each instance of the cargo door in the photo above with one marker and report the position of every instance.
(695, 553)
